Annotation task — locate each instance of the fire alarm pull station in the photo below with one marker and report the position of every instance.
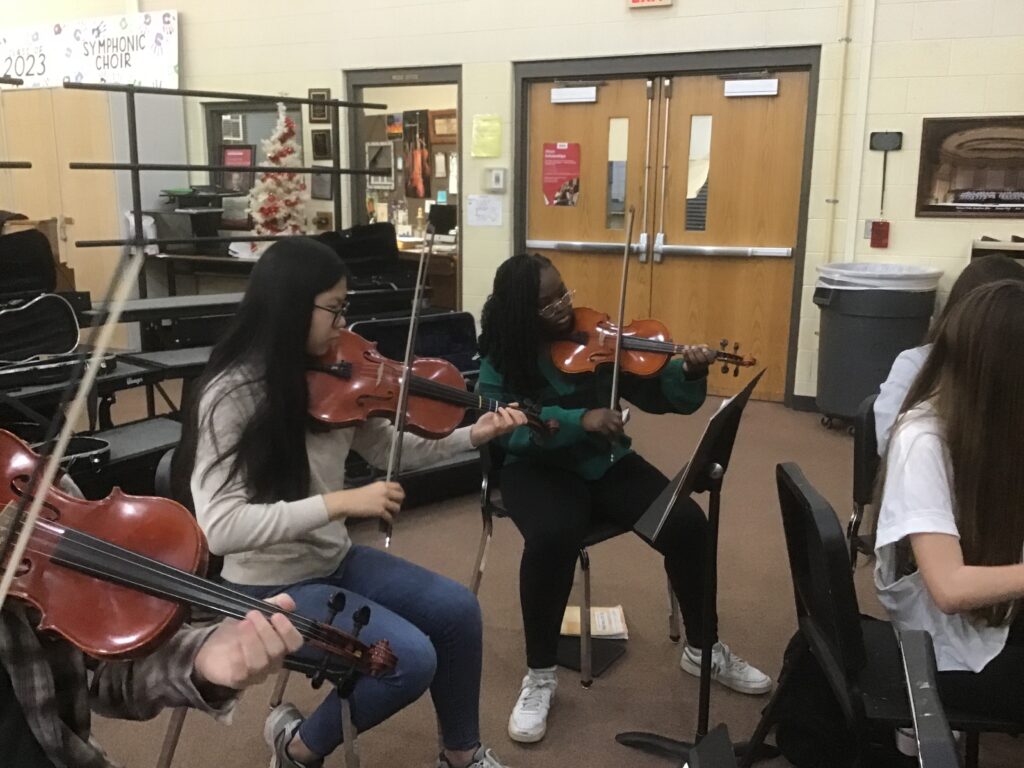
(884, 142)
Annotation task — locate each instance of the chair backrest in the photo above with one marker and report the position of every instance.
(865, 452)
(826, 601)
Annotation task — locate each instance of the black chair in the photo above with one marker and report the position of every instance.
(936, 747)
(591, 657)
(859, 656)
(163, 486)
(866, 464)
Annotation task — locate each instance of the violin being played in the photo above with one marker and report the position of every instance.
(646, 346)
(353, 381)
(134, 561)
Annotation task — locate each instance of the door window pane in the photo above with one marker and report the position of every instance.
(697, 173)
(618, 148)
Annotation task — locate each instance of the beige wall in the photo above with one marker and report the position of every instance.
(908, 59)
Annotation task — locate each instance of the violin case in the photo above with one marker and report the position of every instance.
(38, 328)
(381, 280)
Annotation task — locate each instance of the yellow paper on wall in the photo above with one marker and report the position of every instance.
(486, 136)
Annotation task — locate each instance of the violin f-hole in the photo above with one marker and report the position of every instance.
(19, 486)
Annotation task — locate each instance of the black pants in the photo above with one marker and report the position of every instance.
(996, 691)
(554, 510)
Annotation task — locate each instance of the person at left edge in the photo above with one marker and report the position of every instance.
(49, 688)
(268, 489)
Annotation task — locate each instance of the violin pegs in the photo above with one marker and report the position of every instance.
(360, 619)
(723, 344)
(337, 602)
(725, 367)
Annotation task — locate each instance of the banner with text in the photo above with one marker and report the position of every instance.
(135, 48)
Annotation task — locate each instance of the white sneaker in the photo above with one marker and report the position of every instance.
(484, 758)
(529, 720)
(282, 723)
(728, 669)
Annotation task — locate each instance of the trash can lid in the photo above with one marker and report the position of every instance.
(886, 277)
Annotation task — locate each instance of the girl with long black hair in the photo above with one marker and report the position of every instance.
(268, 490)
(554, 489)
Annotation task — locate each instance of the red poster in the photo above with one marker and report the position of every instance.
(561, 174)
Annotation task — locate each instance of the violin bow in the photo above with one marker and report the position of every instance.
(402, 410)
(622, 312)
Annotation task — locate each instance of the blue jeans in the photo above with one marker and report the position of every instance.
(434, 627)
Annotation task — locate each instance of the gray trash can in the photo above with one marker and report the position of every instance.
(869, 314)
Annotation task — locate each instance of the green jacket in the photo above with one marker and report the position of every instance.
(566, 398)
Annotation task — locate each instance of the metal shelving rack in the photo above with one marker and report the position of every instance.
(135, 167)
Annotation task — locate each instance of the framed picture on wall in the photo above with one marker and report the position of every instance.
(321, 141)
(239, 156)
(444, 126)
(971, 167)
(380, 158)
(318, 113)
(320, 187)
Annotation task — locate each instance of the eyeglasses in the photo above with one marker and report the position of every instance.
(338, 321)
(556, 306)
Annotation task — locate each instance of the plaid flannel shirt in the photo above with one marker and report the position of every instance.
(56, 686)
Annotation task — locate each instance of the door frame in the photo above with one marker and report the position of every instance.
(807, 58)
(358, 79)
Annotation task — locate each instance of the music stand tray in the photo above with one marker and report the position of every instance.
(703, 473)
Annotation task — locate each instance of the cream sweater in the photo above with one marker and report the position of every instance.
(285, 542)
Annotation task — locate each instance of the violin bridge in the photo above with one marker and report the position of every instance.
(380, 374)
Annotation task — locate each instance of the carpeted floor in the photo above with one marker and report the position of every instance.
(646, 689)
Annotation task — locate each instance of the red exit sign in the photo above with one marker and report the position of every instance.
(648, 3)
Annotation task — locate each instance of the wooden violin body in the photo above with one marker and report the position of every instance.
(371, 388)
(647, 346)
(592, 344)
(353, 381)
(114, 577)
(103, 619)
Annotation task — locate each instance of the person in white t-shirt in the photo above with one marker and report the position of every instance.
(950, 536)
(980, 271)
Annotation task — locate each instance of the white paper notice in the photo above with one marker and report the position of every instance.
(484, 211)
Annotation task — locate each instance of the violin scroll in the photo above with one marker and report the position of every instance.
(734, 358)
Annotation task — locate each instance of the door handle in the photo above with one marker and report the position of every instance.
(584, 246)
(661, 249)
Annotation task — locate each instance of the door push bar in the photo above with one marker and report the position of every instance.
(740, 251)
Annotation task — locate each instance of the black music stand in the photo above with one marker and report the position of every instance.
(703, 473)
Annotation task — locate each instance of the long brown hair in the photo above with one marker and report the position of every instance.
(974, 377)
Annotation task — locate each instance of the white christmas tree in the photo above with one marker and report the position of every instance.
(277, 202)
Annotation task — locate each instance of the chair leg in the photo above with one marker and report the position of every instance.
(674, 628)
(171, 737)
(971, 748)
(752, 750)
(348, 732)
(279, 687)
(481, 556)
(852, 530)
(586, 659)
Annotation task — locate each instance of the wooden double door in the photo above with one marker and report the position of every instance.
(715, 181)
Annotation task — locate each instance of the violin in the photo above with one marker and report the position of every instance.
(353, 381)
(114, 576)
(646, 346)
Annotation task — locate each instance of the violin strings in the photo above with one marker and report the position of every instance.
(220, 597)
(424, 386)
